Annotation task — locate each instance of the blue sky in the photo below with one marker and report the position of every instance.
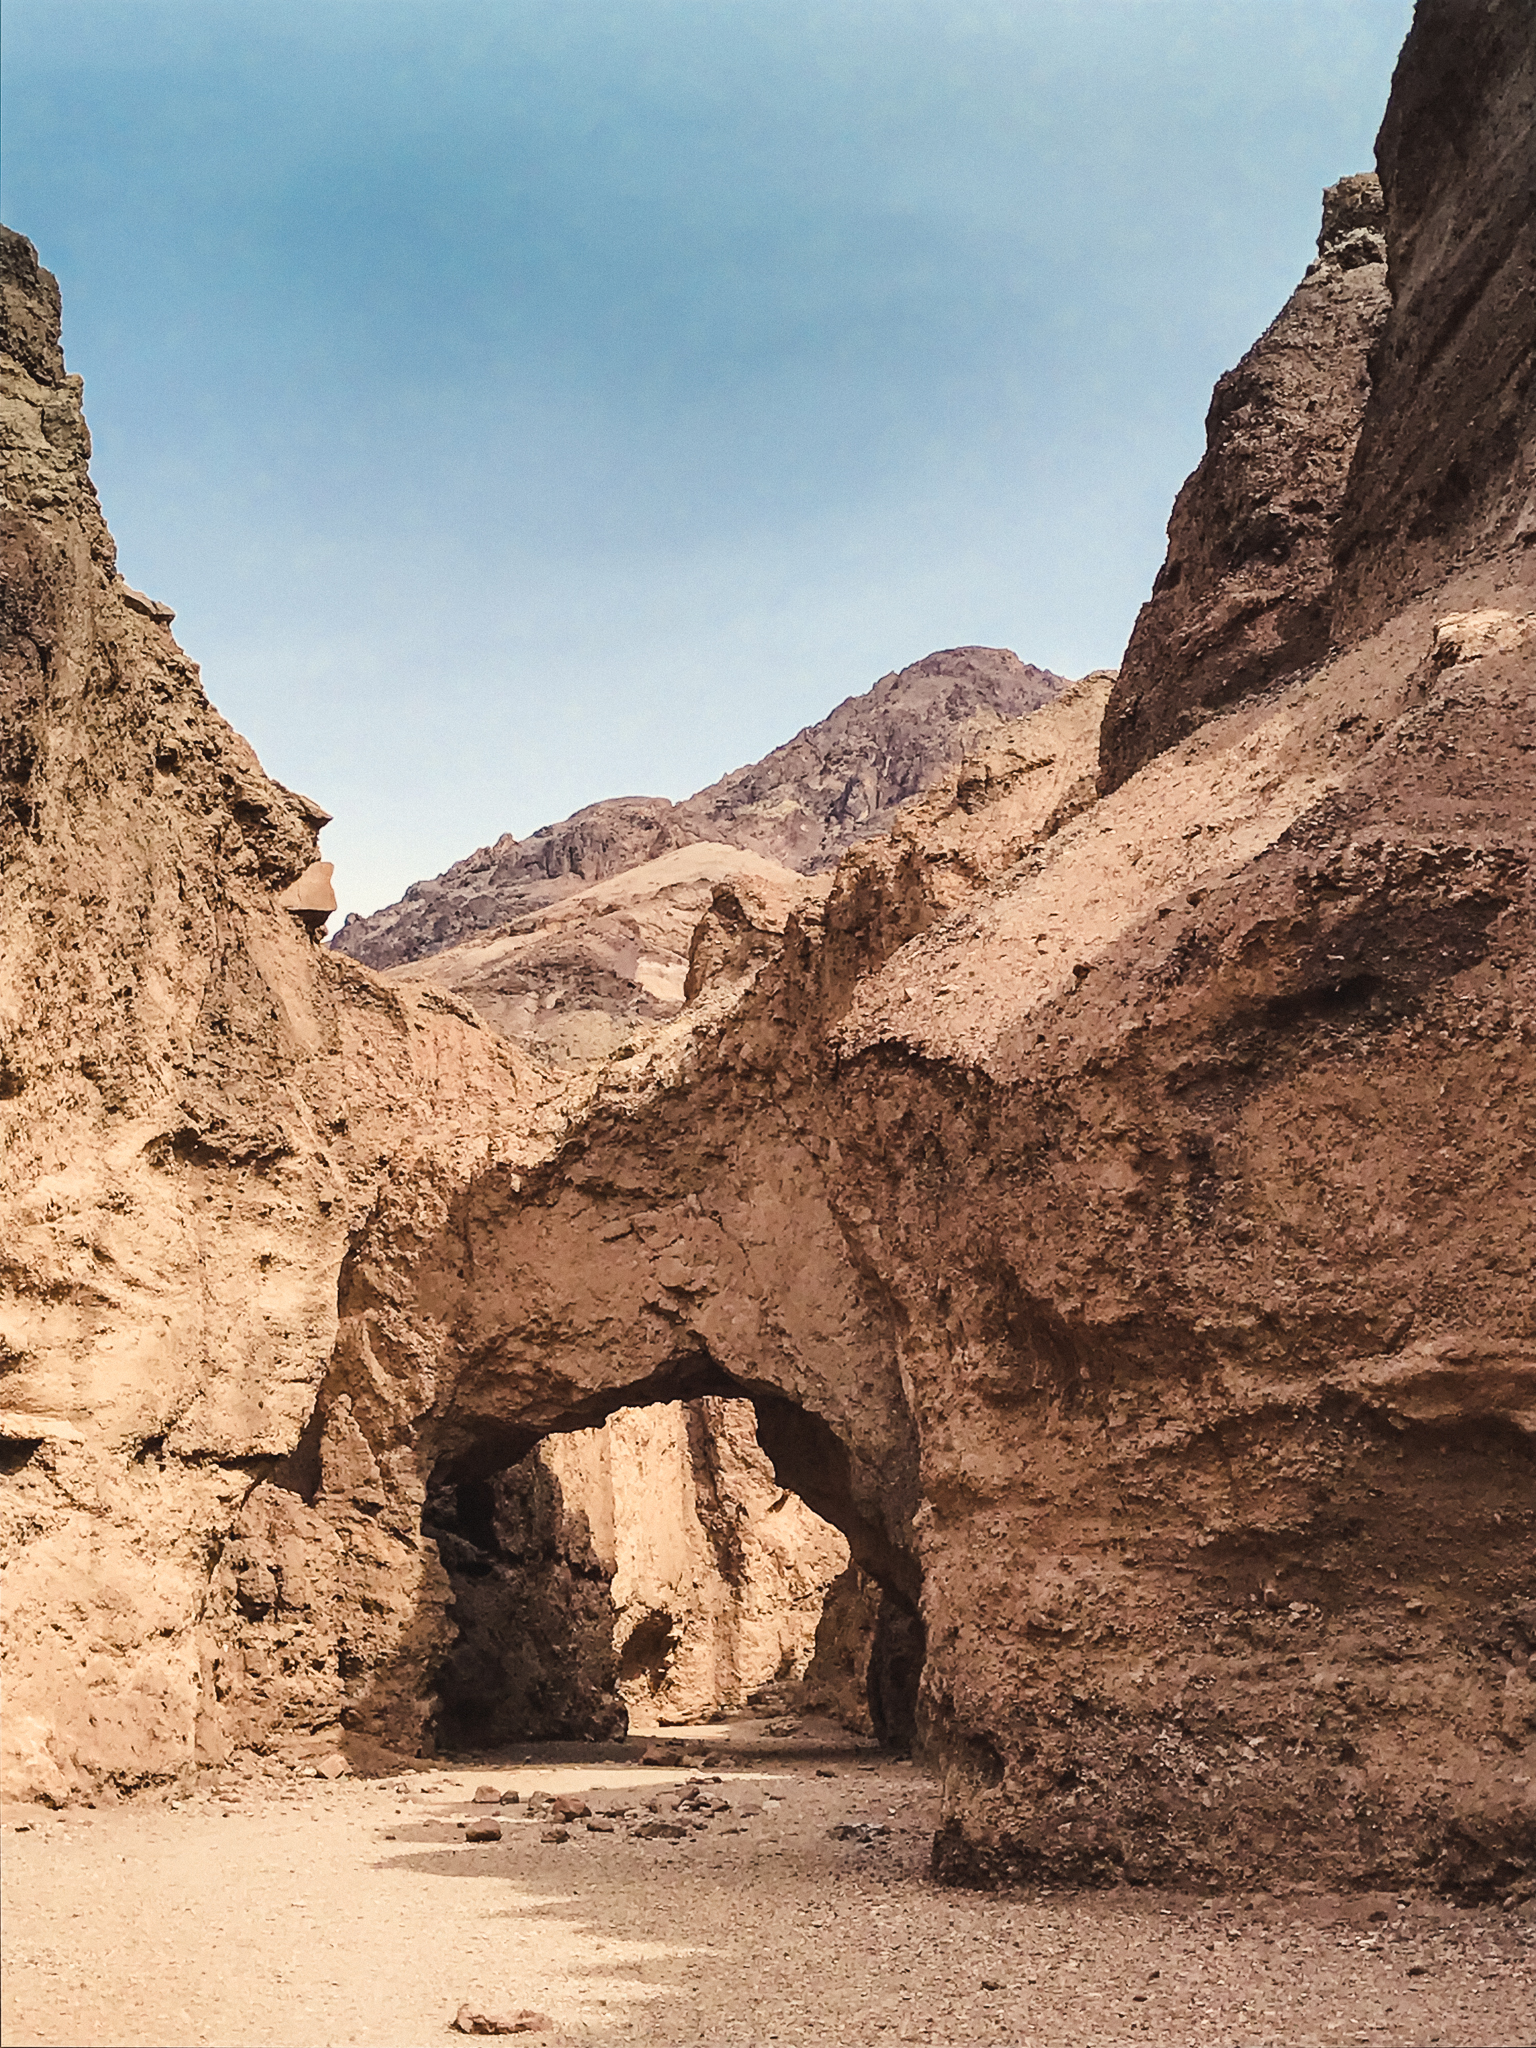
(529, 402)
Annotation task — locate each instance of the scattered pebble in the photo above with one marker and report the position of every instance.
(469, 2021)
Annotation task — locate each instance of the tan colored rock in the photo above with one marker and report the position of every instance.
(196, 1110)
(1113, 1209)
(1468, 636)
(581, 979)
(471, 2019)
(311, 897)
(719, 1576)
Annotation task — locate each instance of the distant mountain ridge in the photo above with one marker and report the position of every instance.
(803, 805)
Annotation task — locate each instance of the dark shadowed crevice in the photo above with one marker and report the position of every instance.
(535, 1657)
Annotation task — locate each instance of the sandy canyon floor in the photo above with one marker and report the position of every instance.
(298, 1913)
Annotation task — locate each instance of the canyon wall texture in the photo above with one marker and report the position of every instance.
(1117, 1206)
(1243, 597)
(649, 1572)
(198, 1106)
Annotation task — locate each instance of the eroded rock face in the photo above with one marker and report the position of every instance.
(801, 807)
(1118, 1210)
(198, 1106)
(532, 1608)
(652, 1570)
(1244, 595)
(1445, 472)
(575, 982)
(719, 1574)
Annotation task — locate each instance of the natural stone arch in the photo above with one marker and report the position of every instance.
(538, 1648)
(477, 1322)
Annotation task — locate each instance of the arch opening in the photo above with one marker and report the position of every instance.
(679, 1551)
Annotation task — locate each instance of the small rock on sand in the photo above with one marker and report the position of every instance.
(555, 1835)
(483, 1831)
(470, 2021)
(487, 1795)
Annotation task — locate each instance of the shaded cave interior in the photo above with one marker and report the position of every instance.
(632, 1563)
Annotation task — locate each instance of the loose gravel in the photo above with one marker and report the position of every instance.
(768, 1905)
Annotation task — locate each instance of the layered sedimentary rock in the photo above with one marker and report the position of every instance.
(1244, 594)
(1117, 1208)
(577, 980)
(801, 807)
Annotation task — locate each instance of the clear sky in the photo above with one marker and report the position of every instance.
(528, 401)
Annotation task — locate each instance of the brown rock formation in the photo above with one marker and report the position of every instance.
(842, 781)
(1117, 1210)
(801, 807)
(513, 880)
(532, 1609)
(198, 1106)
(581, 978)
(719, 1575)
(1445, 472)
(1243, 596)
(652, 1569)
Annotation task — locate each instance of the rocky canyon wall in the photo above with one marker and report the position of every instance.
(1243, 597)
(1117, 1206)
(199, 1105)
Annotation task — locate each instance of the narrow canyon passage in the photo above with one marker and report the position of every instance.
(656, 1572)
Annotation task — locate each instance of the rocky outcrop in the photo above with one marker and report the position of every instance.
(866, 1662)
(842, 781)
(198, 1107)
(502, 885)
(582, 978)
(651, 1571)
(1445, 471)
(533, 1655)
(801, 807)
(1244, 594)
(719, 1574)
(1116, 1209)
